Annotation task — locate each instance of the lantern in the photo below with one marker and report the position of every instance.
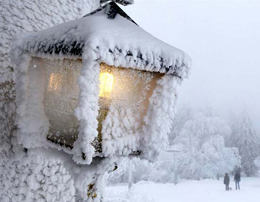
(96, 87)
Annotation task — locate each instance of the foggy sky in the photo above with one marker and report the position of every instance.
(223, 40)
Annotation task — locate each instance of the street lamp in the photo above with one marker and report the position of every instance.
(98, 87)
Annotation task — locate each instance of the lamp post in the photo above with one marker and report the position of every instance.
(175, 152)
(130, 173)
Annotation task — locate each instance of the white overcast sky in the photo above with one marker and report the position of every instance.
(223, 40)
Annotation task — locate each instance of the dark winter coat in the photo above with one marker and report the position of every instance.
(237, 177)
(226, 180)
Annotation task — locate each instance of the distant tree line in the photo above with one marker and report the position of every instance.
(208, 147)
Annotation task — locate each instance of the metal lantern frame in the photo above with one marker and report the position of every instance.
(108, 38)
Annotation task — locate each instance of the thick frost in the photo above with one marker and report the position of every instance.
(31, 15)
(117, 42)
(31, 177)
(160, 114)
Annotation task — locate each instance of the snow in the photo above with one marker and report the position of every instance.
(34, 121)
(116, 42)
(35, 178)
(160, 114)
(30, 15)
(87, 109)
(51, 175)
(185, 191)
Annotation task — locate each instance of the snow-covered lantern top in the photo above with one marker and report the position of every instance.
(97, 86)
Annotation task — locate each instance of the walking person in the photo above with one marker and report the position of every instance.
(226, 181)
(237, 179)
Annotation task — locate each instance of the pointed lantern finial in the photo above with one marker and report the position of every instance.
(122, 2)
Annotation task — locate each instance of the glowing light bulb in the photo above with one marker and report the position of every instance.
(106, 84)
(54, 82)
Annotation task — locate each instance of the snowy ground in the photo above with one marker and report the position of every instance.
(187, 191)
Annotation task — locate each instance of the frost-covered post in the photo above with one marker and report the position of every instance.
(130, 173)
(94, 89)
(175, 169)
(175, 151)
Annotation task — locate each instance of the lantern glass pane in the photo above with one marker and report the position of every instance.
(61, 98)
(124, 100)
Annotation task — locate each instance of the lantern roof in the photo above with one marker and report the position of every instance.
(110, 36)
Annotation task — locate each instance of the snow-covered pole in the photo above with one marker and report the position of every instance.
(174, 151)
(130, 173)
(175, 171)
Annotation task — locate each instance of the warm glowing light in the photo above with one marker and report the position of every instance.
(106, 84)
(55, 82)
